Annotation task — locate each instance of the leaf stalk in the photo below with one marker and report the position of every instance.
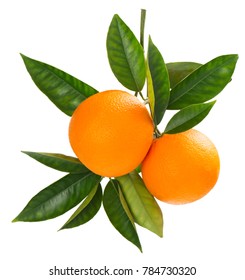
(142, 26)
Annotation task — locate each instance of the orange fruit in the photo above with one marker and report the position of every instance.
(111, 132)
(181, 168)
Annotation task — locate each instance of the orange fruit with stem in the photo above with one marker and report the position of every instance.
(111, 132)
(181, 168)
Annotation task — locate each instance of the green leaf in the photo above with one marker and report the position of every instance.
(59, 197)
(64, 90)
(138, 169)
(150, 91)
(188, 117)
(126, 55)
(141, 203)
(87, 210)
(59, 162)
(118, 213)
(177, 71)
(204, 83)
(160, 79)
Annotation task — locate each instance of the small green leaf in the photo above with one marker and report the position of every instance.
(177, 71)
(64, 90)
(188, 117)
(59, 197)
(160, 80)
(204, 83)
(87, 210)
(59, 162)
(118, 213)
(126, 55)
(141, 203)
(150, 91)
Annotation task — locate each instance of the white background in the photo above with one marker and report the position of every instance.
(208, 234)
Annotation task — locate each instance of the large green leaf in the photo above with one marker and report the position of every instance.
(118, 213)
(141, 203)
(87, 210)
(64, 90)
(177, 71)
(126, 55)
(160, 80)
(59, 162)
(188, 117)
(59, 197)
(204, 83)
